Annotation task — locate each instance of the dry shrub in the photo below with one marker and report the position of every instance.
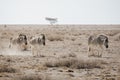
(5, 35)
(76, 63)
(63, 56)
(76, 34)
(118, 78)
(79, 44)
(55, 37)
(50, 64)
(117, 37)
(40, 55)
(32, 77)
(37, 67)
(119, 70)
(72, 55)
(72, 38)
(7, 68)
(113, 33)
(68, 55)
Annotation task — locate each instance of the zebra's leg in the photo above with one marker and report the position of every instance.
(101, 51)
(89, 50)
(37, 52)
(9, 45)
(98, 53)
(33, 51)
(93, 52)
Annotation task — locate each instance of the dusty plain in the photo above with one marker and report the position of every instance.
(65, 55)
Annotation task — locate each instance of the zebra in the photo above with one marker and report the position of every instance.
(20, 41)
(36, 42)
(97, 42)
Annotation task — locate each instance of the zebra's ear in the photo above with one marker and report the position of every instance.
(25, 37)
(20, 34)
(106, 40)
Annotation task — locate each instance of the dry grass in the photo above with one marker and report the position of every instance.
(112, 33)
(118, 78)
(64, 58)
(55, 37)
(76, 63)
(72, 55)
(68, 55)
(32, 77)
(117, 37)
(7, 68)
(119, 70)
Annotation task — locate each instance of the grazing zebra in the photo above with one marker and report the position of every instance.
(97, 43)
(20, 41)
(36, 42)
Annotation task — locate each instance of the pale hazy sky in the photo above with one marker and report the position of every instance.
(67, 11)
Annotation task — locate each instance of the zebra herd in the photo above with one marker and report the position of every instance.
(36, 41)
(22, 42)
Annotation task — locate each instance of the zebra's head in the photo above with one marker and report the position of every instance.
(104, 40)
(43, 39)
(23, 39)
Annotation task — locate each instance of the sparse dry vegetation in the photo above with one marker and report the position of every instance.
(55, 37)
(33, 77)
(7, 68)
(113, 33)
(117, 37)
(76, 63)
(64, 57)
(68, 55)
(72, 55)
